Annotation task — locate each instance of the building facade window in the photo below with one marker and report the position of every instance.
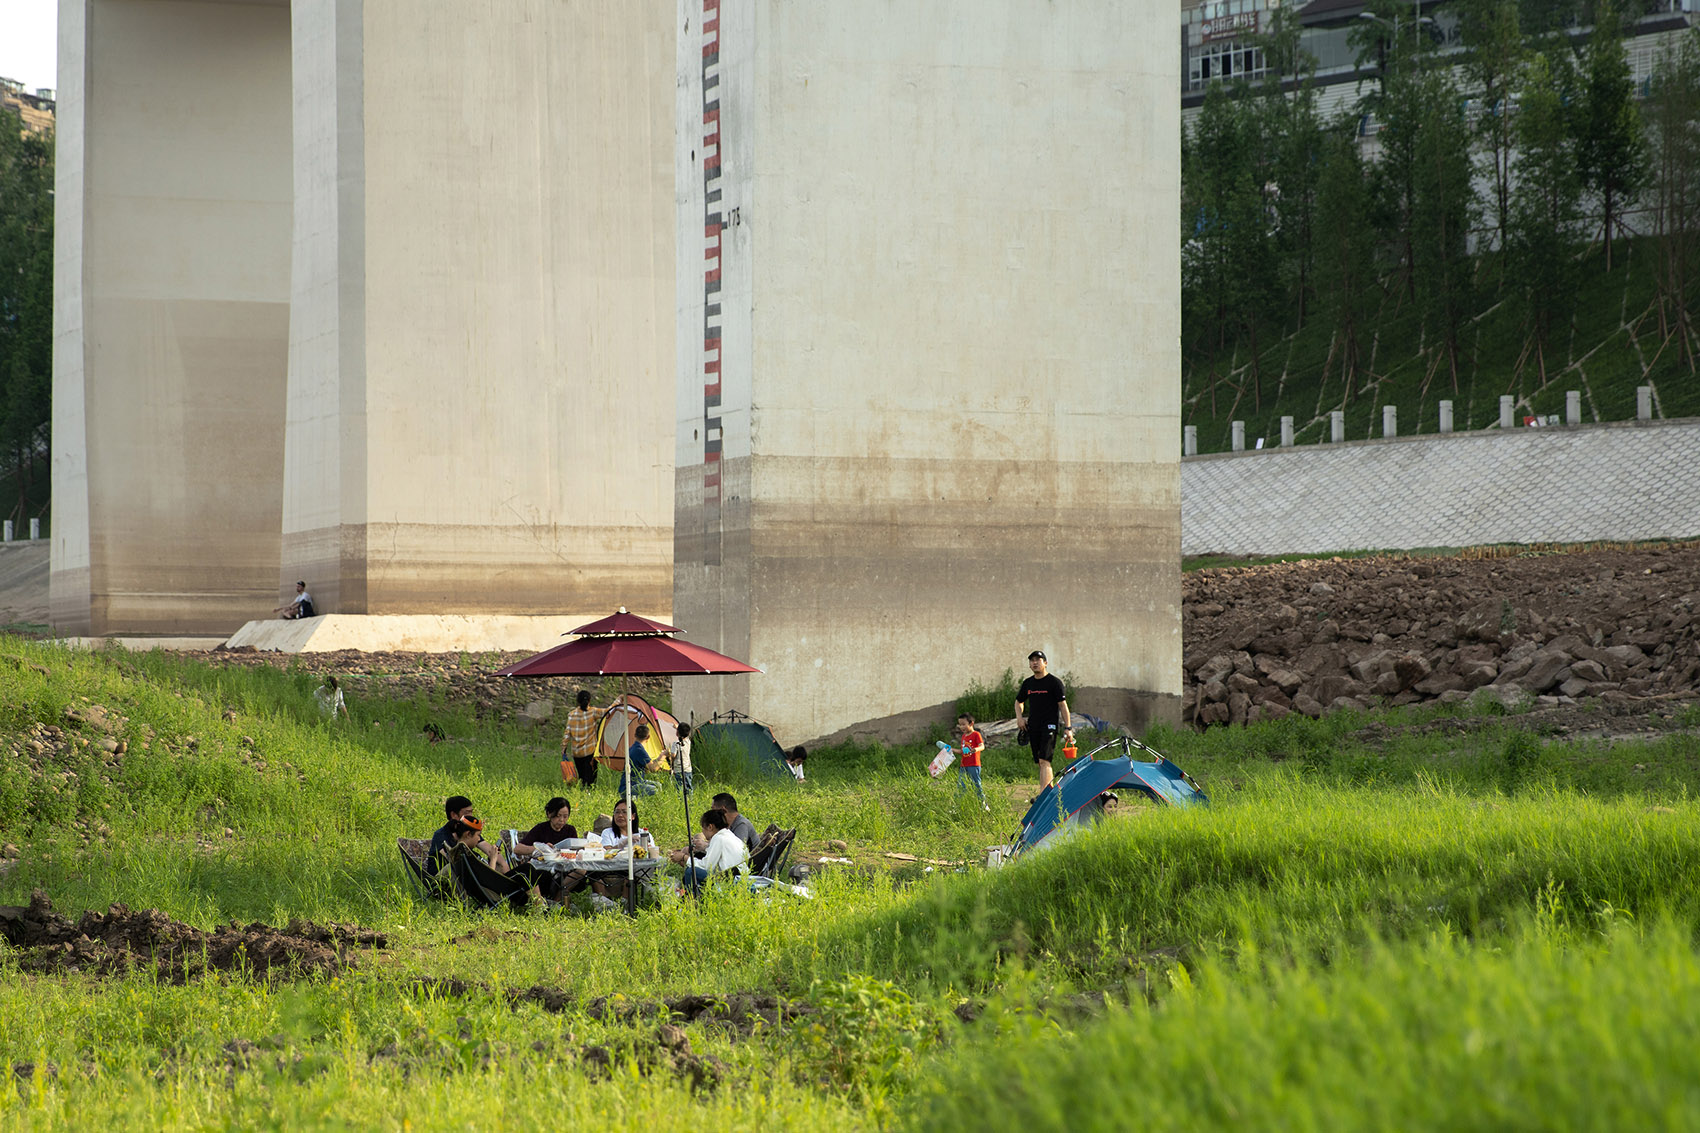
(1223, 60)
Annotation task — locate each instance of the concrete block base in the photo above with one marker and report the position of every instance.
(409, 633)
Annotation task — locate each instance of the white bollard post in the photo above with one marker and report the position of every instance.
(1389, 421)
(1572, 407)
(1507, 406)
(1336, 426)
(1189, 440)
(1446, 416)
(35, 530)
(1643, 403)
(1286, 432)
(1239, 436)
(6, 531)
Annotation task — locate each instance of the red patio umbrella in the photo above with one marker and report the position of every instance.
(624, 644)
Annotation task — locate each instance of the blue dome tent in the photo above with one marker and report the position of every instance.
(1071, 800)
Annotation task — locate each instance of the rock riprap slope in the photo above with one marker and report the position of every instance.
(1266, 640)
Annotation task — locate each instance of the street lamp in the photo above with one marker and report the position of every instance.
(1417, 21)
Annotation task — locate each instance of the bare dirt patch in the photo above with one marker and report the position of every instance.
(1552, 629)
(120, 940)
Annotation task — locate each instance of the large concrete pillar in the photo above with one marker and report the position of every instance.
(928, 344)
(171, 313)
(481, 350)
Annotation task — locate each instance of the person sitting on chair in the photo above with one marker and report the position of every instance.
(623, 833)
(553, 830)
(737, 823)
(454, 806)
(725, 849)
(467, 840)
(467, 833)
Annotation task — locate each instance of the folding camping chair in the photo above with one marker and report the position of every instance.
(426, 887)
(482, 886)
(769, 860)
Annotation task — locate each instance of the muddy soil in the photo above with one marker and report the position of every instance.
(1620, 627)
(120, 940)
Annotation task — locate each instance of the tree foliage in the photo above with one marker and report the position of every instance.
(1483, 172)
(26, 312)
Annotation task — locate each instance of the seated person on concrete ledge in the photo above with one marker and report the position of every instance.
(301, 606)
(725, 849)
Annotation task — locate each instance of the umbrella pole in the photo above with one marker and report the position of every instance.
(685, 790)
(631, 824)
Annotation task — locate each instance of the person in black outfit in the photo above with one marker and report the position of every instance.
(553, 830)
(454, 806)
(1040, 705)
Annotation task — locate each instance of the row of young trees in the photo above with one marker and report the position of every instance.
(1503, 171)
(26, 314)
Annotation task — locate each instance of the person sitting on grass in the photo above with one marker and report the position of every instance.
(794, 761)
(725, 849)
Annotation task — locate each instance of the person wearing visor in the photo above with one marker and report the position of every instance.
(466, 835)
(1041, 704)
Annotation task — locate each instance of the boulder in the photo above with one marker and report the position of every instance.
(1287, 680)
(1330, 689)
(1309, 705)
(1574, 687)
(1217, 668)
(1240, 682)
(1507, 696)
(1587, 671)
(1371, 667)
(1239, 707)
(1214, 713)
(1438, 683)
(1410, 668)
(1475, 674)
(1214, 691)
(1622, 658)
(1546, 669)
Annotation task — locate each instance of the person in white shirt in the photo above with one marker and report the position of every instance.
(619, 835)
(329, 698)
(794, 761)
(725, 851)
(681, 758)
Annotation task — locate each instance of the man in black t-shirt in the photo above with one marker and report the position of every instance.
(1040, 705)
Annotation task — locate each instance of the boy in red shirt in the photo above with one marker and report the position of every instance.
(972, 743)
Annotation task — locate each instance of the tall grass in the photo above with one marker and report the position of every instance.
(1548, 1033)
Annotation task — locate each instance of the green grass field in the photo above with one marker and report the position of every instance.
(1405, 919)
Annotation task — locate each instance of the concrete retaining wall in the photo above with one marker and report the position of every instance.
(1620, 481)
